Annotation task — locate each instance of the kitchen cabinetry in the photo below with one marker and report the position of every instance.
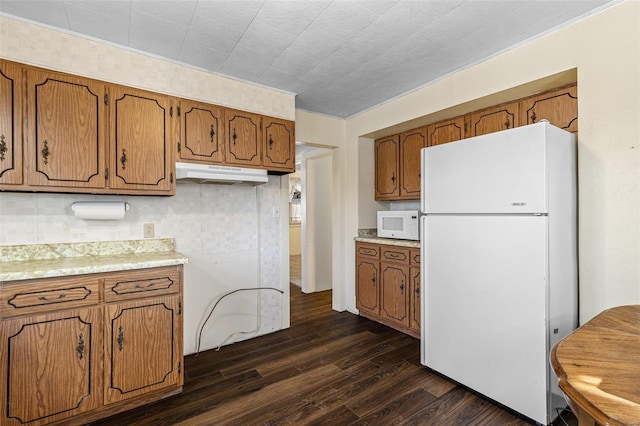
(367, 281)
(278, 145)
(394, 271)
(446, 131)
(243, 138)
(89, 346)
(201, 133)
(65, 137)
(386, 286)
(559, 107)
(411, 143)
(414, 274)
(11, 84)
(387, 154)
(141, 145)
(494, 119)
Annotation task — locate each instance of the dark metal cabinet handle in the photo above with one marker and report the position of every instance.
(402, 287)
(80, 348)
(120, 339)
(212, 133)
(417, 290)
(3, 147)
(393, 178)
(44, 298)
(507, 124)
(373, 280)
(123, 159)
(235, 136)
(533, 116)
(45, 152)
(270, 142)
(149, 285)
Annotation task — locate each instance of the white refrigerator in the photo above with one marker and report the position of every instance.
(499, 263)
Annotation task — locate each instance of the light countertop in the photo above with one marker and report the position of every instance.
(22, 262)
(389, 242)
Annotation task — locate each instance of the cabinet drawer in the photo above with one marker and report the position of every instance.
(415, 257)
(371, 251)
(142, 283)
(48, 294)
(395, 255)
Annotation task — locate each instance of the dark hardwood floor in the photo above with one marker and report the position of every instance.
(329, 368)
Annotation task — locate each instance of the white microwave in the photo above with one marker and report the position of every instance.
(400, 224)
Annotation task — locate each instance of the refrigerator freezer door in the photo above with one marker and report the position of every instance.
(502, 172)
(484, 304)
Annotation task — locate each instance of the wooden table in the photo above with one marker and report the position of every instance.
(598, 367)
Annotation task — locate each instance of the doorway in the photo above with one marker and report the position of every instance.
(310, 198)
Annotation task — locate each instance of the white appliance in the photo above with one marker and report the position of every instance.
(204, 173)
(399, 224)
(499, 263)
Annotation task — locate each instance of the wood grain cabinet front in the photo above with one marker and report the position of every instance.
(82, 348)
(558, 106)
(447, 131)
(11, 103)
(65, 138)
(494, 119)
(386, 279)
(387, 168)
(143, 347)
(243, 138)
(141, 147)
(278, 145)
(201, 133)
(51, 367)
(411, 143)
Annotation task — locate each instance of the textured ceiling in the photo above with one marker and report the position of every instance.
(338, 57)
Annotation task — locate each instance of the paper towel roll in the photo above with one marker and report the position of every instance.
(99, 210)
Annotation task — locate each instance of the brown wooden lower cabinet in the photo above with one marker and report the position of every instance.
(71, 358)
(388, 285)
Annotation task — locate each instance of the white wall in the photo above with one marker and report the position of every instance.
(229, 233)
(318, 194)
(605, 50)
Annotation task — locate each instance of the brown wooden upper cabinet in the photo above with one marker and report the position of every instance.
(387, 173)
(11, 83)
(411, 143)
(141, 144)
(243, 137)
(65, 138)
(494, 119)
(559, 107)
(279, 144)
(201, 133)
(446, 131)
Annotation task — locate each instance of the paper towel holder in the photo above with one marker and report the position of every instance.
(100, 210)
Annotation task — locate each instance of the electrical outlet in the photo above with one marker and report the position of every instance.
(148, 230)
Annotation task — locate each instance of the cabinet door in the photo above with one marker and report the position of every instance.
(143, 347)
(65, 140)
(446, 131)
(387, 153)
(415, 298)
(411, 143)
(279, 145)
(394, 303)
(141, 157)
(559, 107)
(367, 294)
(10, 124)
(494, 119)
(50, 366)
(244, 138)
(202, 137)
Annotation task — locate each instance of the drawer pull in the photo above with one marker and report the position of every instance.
(120, 338)
(60, 296)
(151, 284)
(80, 347)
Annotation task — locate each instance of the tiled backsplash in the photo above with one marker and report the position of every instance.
(215, 226)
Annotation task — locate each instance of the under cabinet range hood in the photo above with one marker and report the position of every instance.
(204, 173)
